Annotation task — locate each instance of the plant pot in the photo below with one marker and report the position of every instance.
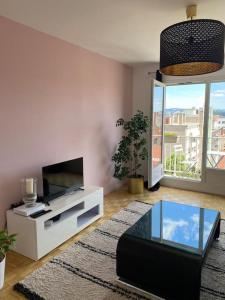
(170, 139)
(2, 273)
(136, 185)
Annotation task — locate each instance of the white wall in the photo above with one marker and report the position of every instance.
(142, 75)
(214, 179)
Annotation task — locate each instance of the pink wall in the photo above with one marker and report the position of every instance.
(57, 102)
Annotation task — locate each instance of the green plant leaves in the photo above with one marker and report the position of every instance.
(132, 146)
(6, 242)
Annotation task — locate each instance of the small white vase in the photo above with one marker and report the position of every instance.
(2, 273)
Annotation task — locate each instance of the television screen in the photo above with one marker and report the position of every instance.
(62, 178)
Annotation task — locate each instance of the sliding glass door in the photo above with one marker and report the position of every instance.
(194, 137)
(183, 130)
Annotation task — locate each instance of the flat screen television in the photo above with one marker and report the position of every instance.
(62, 178)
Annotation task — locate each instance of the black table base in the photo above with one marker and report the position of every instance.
(159, 269)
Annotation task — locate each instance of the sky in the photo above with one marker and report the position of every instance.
(158, 98)
(193, 95)
(181, 223)
(217, 95)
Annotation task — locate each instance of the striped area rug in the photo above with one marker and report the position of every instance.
(87, 270)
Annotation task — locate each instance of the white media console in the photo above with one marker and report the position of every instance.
(37, 237)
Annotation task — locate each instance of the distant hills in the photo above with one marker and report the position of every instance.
(220, 112)
(170, 111)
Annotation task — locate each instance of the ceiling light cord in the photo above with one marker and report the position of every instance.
(191, 12)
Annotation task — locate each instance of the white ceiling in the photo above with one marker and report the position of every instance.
(126, 30)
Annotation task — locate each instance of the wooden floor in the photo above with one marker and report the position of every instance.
(18, 266)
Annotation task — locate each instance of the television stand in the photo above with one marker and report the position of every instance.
(70, 214)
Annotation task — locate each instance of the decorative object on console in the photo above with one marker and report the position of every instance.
(131, 151)
(192, 47)
(6, 242)
(29, 191)
(88, 267)
(23, 210)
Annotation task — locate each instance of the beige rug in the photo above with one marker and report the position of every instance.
(87, 270)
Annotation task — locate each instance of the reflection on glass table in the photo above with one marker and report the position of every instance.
(178, 225)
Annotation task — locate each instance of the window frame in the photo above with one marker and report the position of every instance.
(204, 166)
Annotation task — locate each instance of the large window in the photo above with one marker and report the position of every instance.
(216, 126)
(183, 130)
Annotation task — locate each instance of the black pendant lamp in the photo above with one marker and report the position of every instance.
(192, 47)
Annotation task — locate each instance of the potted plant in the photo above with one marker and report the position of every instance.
(170, 137)
(132, 149)
(6, 242)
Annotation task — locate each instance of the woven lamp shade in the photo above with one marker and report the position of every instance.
(192, 48)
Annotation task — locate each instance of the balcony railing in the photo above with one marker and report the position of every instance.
(183, 155)
(216, 153)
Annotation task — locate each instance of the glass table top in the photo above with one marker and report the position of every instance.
(178, 225)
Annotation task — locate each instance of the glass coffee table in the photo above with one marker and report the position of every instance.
(163, 252)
